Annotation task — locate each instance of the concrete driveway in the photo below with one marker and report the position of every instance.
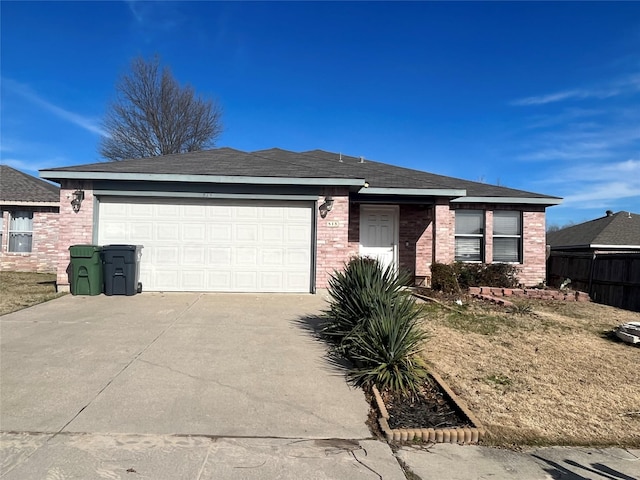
(195, 364)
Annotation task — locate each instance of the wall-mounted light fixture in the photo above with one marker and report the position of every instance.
(326, 206)
(76, 200)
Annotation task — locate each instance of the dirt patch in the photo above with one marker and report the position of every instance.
(19, 290)
(429, 409)
(548, 375)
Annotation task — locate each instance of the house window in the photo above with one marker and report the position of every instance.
(507, 236)
(21, 232)
(469, 235)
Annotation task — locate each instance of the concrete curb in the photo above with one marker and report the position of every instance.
(461, 435)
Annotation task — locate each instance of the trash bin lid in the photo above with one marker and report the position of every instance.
(121, 247)
(83, 251)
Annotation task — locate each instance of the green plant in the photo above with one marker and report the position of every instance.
(386, 350)
(460, 275)
(499, 380)
(356, 293)
(444, 278)
(521, 309)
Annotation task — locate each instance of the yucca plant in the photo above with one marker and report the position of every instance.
(386, 349)
(363, 288)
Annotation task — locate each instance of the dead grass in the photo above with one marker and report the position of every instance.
(550, 374)
(19, 290)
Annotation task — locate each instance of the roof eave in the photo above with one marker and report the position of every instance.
(519, 200)
(23, 203)
(165, 177)
(426, 192)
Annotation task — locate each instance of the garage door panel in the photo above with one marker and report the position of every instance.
(219, 256)
(193, 232)
(272, 233)
(272, 257)
(246, 233)
(166, 232)
(143, 231)
(195, 255)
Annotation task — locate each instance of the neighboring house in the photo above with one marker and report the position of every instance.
(619, 232)
(281, 221)
(29, 210)
(600, 257)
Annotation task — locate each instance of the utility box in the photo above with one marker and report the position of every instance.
(122, 269)
(86, 270)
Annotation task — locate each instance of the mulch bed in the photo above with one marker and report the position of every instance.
(430, 409)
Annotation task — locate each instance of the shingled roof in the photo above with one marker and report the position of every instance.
(18, 188)
(277, 163)
(620, 229)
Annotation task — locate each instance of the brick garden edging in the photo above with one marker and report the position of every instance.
(496, 294)
(462, 435)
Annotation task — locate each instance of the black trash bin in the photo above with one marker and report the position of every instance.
(122, 269)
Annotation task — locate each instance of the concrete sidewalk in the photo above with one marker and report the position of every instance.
(165, 457)
(469, 462)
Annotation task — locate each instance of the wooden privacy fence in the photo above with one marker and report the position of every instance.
(609, 278)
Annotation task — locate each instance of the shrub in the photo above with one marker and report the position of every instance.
(451, 278)
(386, 350)
(499, 275)
(444, 278)
(357, 293)
(372, 322)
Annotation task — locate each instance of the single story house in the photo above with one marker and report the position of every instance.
(281, 221)
(29, 211)
(615, 232)
(600, 257)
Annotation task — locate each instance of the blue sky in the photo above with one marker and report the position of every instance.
(543, 97)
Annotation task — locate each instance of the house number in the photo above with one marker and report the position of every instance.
(333, 223)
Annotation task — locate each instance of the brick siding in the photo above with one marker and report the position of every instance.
(532, 270)
(415, 237)
(43, 257)
(337, 237)
(75, 228)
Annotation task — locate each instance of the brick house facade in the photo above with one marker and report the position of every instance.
(425, 219)
(32, 206)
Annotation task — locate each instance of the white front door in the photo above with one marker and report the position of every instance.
(379, 233)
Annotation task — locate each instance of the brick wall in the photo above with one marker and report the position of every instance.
(415, 239)
(337, 237)
(75, 228)
(43, 257)
(444, 232)
(532, 270)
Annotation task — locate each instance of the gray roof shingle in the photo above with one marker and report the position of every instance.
(311, 164)
(16, 186)
(622, 228)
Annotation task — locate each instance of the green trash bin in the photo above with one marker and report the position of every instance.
(86, 269)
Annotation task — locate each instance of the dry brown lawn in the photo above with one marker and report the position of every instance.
(20, 290)
(550, 375)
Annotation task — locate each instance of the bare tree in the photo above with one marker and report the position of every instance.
(153, 115)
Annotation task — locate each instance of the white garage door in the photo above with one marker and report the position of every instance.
(216, 246)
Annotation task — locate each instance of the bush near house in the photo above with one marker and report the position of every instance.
(372, 321)
(451, 278)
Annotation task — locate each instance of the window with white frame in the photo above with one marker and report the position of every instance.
(469, 236)
(507, 236)
(20, 232)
